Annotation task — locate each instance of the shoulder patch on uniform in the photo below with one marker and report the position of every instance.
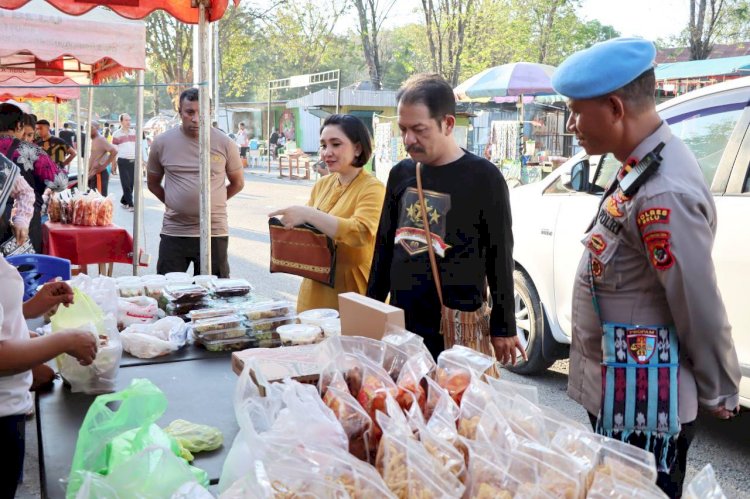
(658, 248)
(653, 216)
(597, 244)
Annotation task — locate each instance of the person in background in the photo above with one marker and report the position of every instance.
(345, 206)
(35, 166)
(56, 148)
(107, 132)
(83, 140)
(242, 142)
(19, 354)
(125, 140)
(29, 128)
(68, 135)
(469, 217)
(103, 154)
(173, 158)
(273, 142)
(646, 304)
(16, 221)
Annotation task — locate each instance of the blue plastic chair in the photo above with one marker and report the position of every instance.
(36, 270)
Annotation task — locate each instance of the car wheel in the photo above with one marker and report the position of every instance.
(529, 326)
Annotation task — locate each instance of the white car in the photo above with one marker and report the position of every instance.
(550, 217)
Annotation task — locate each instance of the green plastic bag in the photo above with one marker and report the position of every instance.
(109, 438)
(195, 437)
(154, 473)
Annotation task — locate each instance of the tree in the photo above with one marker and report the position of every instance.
(446, 23)
(405, 52)
(703, 26)
(371, 14)
(169, 48)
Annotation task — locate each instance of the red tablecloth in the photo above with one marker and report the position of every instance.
(86, 245)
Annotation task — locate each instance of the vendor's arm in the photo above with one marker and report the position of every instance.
(17, 356)
(235, 173)
(678, 245)
(155, 172)
(51, 295)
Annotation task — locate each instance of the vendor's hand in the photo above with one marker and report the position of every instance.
(723, 413)
(82, 346)
(53, 294)
(292, 216)
(21, 233)
(505, 349)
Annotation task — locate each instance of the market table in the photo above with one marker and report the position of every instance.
(84, 245)
(188, 352)
(199, 390)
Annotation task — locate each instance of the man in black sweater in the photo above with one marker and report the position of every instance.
(468, 209)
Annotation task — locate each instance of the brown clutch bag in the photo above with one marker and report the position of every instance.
(302, 251)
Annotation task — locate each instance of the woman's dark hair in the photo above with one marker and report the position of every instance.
(10, 117)
(356, 131)
(29, 120)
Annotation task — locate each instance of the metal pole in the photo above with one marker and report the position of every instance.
(204, 155)
(338, 89)
(57, 118)
(217, 63)
(138, 173)
(79, 149)
(268, 127)
(90, 116)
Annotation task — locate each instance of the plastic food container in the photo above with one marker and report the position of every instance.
(270, 325)
(331, 327)
(131, 289)
(228, 345)
(184, 293)
(182, 309)
(266, 339)
(209, 313)
(299, 334)
(226, 288)
(216, 323)
(221, 334)
(204, 280)
(318, 315)
(269, 309)
(178, 276)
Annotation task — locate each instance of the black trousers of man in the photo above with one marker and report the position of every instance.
(126, 167)
(177, 253)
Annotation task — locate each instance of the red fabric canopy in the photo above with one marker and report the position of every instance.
(23, 86)
(39, 40)
(183, 10)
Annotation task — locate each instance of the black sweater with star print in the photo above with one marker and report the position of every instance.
(469, 214)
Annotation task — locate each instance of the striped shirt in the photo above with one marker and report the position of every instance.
(23, 203)
(125, 143)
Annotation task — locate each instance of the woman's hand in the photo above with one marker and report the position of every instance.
(47, 298)
(293, 216)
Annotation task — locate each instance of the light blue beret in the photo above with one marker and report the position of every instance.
(603, 68)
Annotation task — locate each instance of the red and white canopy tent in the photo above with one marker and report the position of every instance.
(57, 52)
(200, 12)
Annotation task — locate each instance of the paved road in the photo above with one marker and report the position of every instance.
(724, 444)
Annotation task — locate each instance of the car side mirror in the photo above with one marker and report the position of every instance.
(578, 178)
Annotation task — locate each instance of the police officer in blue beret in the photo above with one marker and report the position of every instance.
(651, 339)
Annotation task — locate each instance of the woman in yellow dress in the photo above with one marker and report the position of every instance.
(345, 206)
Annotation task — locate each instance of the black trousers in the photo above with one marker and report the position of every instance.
(100, 182)
(671, 483)
(177, 253)
(126, 167)
(13, 445)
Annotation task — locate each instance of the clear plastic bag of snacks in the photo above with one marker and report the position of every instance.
(410, 380)
(704, 486)
(439, 400)
(456, 366)
(356, 422)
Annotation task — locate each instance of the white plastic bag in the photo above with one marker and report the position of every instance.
(101, 375)
(136, 310)
(147, 341)
(101, 289)
(704, 486)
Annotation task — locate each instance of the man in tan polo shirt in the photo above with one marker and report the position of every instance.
(174, 158)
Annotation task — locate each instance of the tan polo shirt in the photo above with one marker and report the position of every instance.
(175, 155)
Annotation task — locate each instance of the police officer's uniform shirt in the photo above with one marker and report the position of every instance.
(651, 261)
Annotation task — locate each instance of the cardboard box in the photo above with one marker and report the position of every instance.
(276, 364)
(363, 316)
